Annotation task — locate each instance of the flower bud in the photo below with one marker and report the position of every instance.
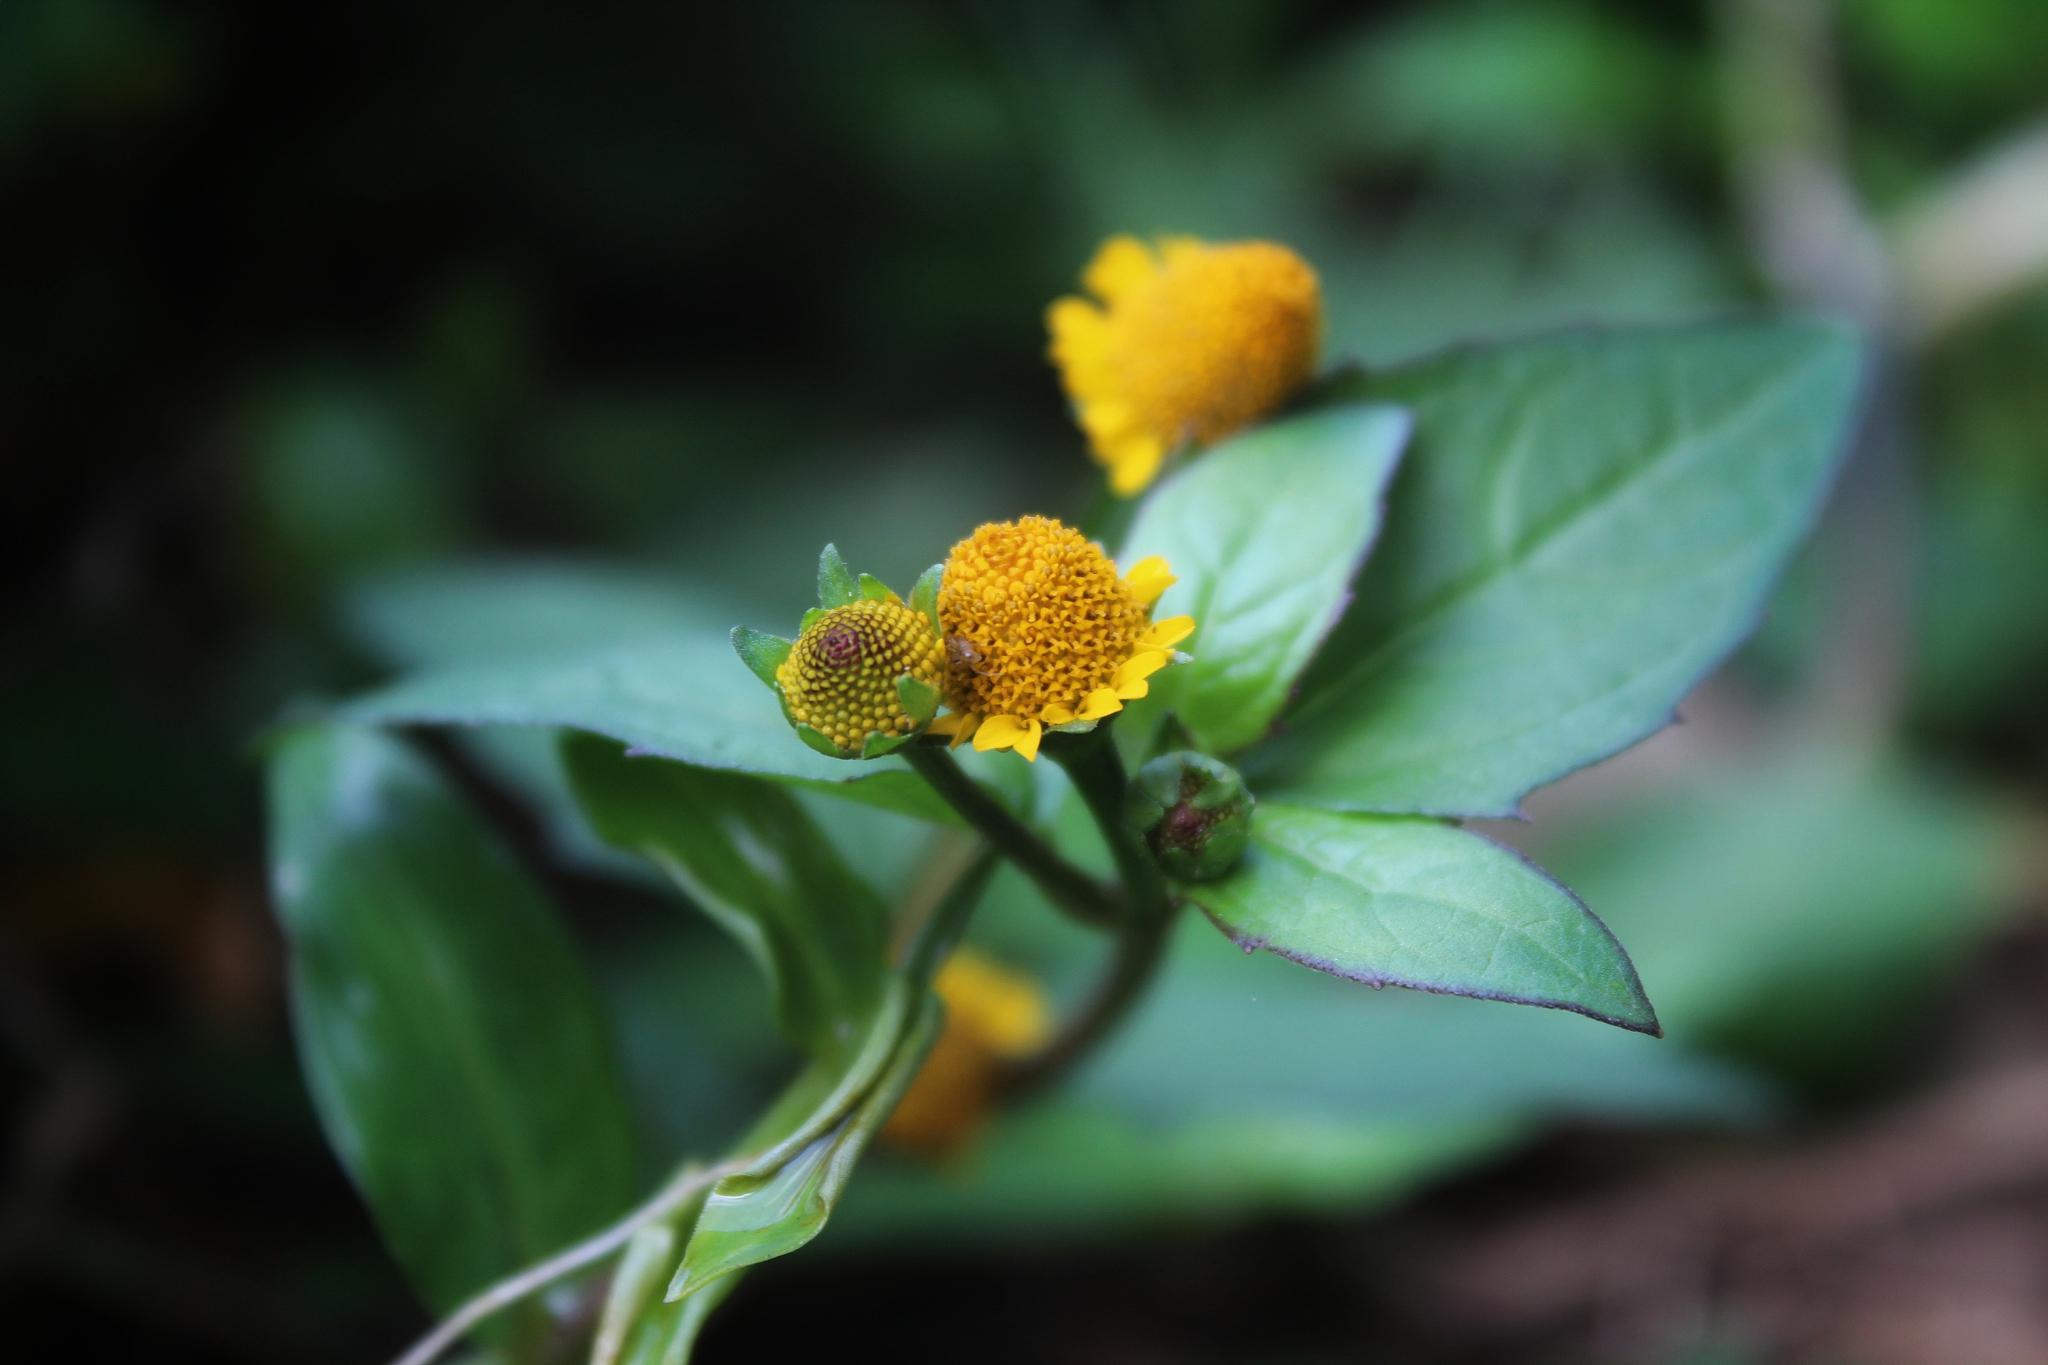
(1193, 812)
(841, 677)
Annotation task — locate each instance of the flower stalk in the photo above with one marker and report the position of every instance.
(1097, 770)
(1070, 890)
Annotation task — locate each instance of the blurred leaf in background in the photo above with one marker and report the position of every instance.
(453, 1043)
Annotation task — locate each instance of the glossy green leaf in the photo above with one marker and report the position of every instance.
(679, 695)
(454, 1046)
(1243, 1085)
(667, 1334)
(472, 610)
(1421, 904)
(874, 589)
(635, 1289)
(836, 583)
(761, 652)
(1584, 525)
(744, 851)
(1265, 533)
(824, 1099)
(754, 1218)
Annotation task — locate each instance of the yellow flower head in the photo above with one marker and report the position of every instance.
(840, 676)
(993, 1016)
(1041, 631)
(1191, 341)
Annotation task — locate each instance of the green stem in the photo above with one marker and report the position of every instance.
(688, 1183)
(1066, 886)
(1097, 769)
(1098, 773)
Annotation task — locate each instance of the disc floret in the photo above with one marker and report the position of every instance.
(1043, 632)
(840, 677)
(864, 674)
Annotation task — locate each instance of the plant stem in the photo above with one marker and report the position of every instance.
(688, 1183)
(1098, 773)
(1066, 886)
(1097, 769)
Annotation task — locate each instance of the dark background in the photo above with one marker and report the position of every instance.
(302, 297)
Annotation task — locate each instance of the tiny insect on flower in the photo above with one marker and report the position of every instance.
(994, 1016)
(1184, 343)
(1042, 632)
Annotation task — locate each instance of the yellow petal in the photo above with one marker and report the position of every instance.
(1056, 715)
(1000, 732)
(1027, 743)
(1133, 464)
(1129, 681)
(1121, 264)
(1148, 578)
(1104, 422)
(1079, 329)
(1103, 701)
(1174, 250)
(1168, 633)
(960, 725)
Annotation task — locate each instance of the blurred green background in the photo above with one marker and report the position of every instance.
(335, 334)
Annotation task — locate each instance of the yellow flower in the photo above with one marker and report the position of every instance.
(1041, 631)
(993, 1016)
(1191, 341)
(840, 676)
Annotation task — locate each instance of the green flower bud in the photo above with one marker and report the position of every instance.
(1193, 813)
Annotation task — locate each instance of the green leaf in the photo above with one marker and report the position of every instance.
(450, 1036)
(753, 1218)
(924, 596)
(635, 1289)
(836, 585)
(822, 1099)
(822, 1104)
(745, 852)
(667, 1335)
(679, 695)
(1585, 525)
(1266, 533)
(761, 652)
(1242, 1085)
(874, 589)
(1417, 903)
(468, 611)
(920, 699)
